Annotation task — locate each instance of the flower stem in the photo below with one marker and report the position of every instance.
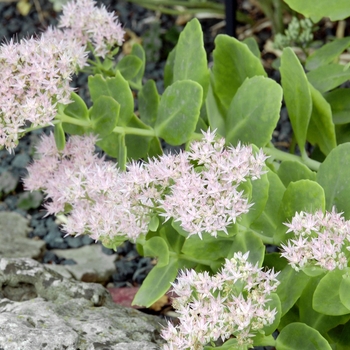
(281, 155)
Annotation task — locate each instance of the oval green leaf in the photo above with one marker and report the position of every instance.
(326, 299)
(326, 78)
(178, 112)
(253, 120)
(297, 336)
(335, 180)
(233, 63)
(117, 88)
(156, 284)
(104, 115)
(291, 171)
(339, 101)
(327, 53)
(191, 58)
(157, 247)
(296, 95)
(321, 128)
(148, 99)
(339, 10)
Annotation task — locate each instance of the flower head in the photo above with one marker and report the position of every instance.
(319, 240)
(84, 21)
(233, 302)
(108, 203)
(35, 76)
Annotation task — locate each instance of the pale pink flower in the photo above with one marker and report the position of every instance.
(35, 76)
(84, 21)
(319, 239)
(208, 312)
(111, 203)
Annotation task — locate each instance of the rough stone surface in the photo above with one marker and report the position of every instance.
(40, 309)
(92, 265)
(13, 237)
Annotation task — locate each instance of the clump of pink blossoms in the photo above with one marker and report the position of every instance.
(320, 239)
(198, 188)
(232, 302)
(35, 76)
(84, 21)
(35, 73)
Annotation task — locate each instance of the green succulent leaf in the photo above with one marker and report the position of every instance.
(178, 112)
(296, 95)
(156, 284)
(301, 336)
(335, 181)
(253, 120)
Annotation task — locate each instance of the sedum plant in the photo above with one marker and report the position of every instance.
(208, 212)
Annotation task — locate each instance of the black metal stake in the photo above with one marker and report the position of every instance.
(230, 9)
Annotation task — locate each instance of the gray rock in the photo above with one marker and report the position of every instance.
(92, 265)
(39, 309)
(13, 237)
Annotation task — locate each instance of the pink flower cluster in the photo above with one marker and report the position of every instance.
(320, 239)
(88, 23)
(35, 75)
(232, 302)
(198, 188)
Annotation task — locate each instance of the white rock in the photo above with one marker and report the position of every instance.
(15, 243)
(92, 264)
(41, 310)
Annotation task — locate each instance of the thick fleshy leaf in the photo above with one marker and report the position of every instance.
(344, 289)
(266, 223)
(247, 241)
(253, 120)
(334, 178)
(169, 68)
(148, 99)
(156, 284)
(320, 322)
(291, 171)
(297, 336)
(327, 53)
(340, 336)
(326, 299)
(77, 109)
(60, 137)
(137, 145)
(104, 115)
(178, 112)
(321, 128)
(191, 58)
(216, 118)
(326, 78)
(273, 303)
(117, 88)
(253, 46)
(157, 247)
(233, 63)
(339, 100)
(260, 192)
(129, 67)
(208, 248)
(302, 195)
(291, 287)
(138, 51)
(296, 95)
(175, 241)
